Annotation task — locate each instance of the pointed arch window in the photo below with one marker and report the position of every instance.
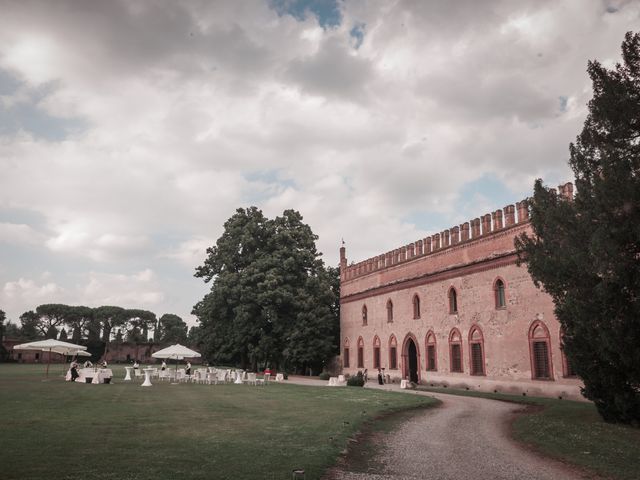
(393, 353)
(416, 306)
(476, 351)
(540, 352)
(453, 300)
(455, 350)
(365, 317)
(345, 353)
(432, 355)
(389, 311)
(376, 352)
(499, 294)
(360, 353)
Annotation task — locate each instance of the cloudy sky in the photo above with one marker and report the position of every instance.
(131, 130)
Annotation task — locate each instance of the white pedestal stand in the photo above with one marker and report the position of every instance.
(128, 375)
(147, 377)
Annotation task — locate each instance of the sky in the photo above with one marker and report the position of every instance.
(131, 130)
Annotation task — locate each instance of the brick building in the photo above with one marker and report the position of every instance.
(455, 310)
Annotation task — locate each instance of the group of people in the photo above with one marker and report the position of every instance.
(74, 367)
(365, 375)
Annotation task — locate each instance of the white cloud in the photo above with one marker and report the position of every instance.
(19, 234)
(137, 290)
(191, 253)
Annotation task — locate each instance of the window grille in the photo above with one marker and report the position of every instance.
(393, 360)
(389, 311)
(456, 358)
(416, 306)
(541, 360)
(360, 357)
(431, 358)
(364, 315)
(376, 357)
(345, 358)
(477, 365)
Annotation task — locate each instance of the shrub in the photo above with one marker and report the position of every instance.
(324, 376)
(356, 380)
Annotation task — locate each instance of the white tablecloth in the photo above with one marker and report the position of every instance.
(97, 375)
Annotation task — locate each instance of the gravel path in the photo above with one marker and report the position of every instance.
(465, 438)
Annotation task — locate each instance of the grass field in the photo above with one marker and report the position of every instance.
(572, 432)
(58, 430)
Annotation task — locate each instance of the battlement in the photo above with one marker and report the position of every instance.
(481, 227)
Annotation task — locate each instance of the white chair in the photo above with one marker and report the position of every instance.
(264, 380)
(221, 377)
(252, 379)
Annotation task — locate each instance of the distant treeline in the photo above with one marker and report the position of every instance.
(80, 324)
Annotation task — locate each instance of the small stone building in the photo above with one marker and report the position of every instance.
(455, 310)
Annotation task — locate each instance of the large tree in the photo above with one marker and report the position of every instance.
(51, 316)
(271, 299)
(78, 319)
(585, 251)
(171, 329)
(29, 325)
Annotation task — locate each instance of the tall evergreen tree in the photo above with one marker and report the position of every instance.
(585, 251)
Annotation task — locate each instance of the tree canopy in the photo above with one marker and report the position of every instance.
(94, 325)
(271, 299)
(171, 329)
(585, 251)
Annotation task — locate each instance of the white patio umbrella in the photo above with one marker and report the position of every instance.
(52, 345)
(177, 351)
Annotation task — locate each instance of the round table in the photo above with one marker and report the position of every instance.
(147, 377)
(128, 375)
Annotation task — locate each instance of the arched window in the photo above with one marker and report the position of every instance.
(364, 315)
(540, 352)
(476, 351)
(499, 294)
(389, 311)
(345, 353)
(567, 368)
(455, 350)
(432, 356)
(360, 353)
(453, 300)
(416, 306)
(393, 353)
(376, 352)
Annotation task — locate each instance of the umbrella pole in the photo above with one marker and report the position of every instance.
(48, 362)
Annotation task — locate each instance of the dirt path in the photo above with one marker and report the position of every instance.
(465, 438)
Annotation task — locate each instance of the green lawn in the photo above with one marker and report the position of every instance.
(58, 430)
(573, 432)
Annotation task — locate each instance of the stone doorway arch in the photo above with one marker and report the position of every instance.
(411, 358)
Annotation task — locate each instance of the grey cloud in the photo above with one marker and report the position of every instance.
(332, 71)
(486, 94)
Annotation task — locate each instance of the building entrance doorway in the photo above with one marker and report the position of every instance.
(412, 363)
